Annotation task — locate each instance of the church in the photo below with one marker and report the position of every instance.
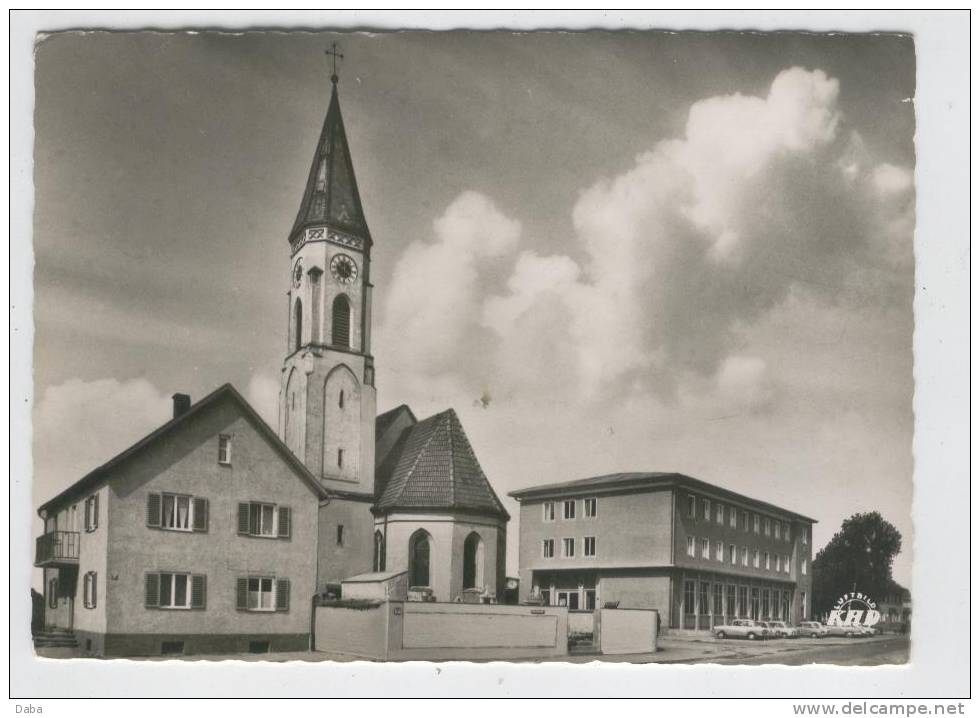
(411, 493)
(218, 533)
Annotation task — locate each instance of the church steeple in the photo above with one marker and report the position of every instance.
(327, 399)
(331, 197)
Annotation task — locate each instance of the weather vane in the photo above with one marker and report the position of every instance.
(335, 55)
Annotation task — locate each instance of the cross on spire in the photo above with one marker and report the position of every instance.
(332, 52)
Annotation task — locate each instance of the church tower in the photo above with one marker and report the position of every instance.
(327, 401)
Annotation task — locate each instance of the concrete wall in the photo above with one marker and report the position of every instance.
(187, 463)
(356, 556)
(630, 530)
(627, 631)
(359, 632)
(448, 532)
(442, 631)
(473, 630)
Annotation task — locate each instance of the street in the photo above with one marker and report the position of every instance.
(880, 650)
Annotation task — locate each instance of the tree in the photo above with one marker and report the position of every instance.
(858, 558)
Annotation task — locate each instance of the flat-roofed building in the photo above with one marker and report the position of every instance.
(699, 553)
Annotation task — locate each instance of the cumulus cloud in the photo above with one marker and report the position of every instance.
(262, 393)
(79, 425)
(438, 286)
(673, 259)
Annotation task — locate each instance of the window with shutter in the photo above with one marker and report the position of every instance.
(198, 591)
(152, 592)
(95, 512)
(241, 594)
(200, 514)
(285, 522)
(282, 594)
(243, 519)
(94, 591)
(153, 503)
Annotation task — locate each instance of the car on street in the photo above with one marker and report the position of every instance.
(849, 631)
(813, 629)
(780, 629)
(742, 628)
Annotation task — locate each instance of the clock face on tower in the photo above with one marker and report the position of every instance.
(298, 273)
(343, 268)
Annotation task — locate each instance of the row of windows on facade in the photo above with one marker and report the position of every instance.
(759, 560)
(759, 524)
(181, 512)
(340, 313)
(569, 509)
(733, 601)
(568, 547)
(185, 590)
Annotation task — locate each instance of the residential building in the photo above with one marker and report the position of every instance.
(665, 541)
(199, 538)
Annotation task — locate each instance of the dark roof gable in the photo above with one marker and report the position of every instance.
(226, 391)
(432, 466)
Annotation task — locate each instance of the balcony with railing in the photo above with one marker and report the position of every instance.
(57, 548)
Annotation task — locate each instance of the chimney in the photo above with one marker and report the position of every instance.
(182, 402)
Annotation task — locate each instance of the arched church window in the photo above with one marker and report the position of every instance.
(340, 335)
(379, 551)
(473, 561)
(298, 325)
(418, 558)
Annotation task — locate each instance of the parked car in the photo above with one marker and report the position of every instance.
(849, 631)
(742, 628)
(780, 629)
(813, 629)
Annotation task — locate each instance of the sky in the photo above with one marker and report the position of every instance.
(649, 251)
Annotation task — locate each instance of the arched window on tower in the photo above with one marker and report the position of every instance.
(418, 558)
(298, 325)
(340, 333)
(379, 551)
(473, 561)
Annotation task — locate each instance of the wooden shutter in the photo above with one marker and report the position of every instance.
(94, 590)
(152, 590)
(282, 594)
(153, 504)
(285, 522)
(95, 512)
(198, 591)
(243, 518)
(200, 514)
(241, 593)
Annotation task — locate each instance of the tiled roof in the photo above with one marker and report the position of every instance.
(331, 195)
(432, 466)
(645, 480)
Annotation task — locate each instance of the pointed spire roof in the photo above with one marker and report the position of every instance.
(331, 197)
(433, 467)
